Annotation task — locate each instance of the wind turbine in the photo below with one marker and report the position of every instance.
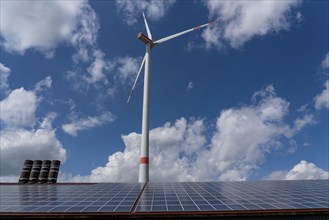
(147, 40)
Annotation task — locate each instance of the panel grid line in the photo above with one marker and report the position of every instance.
(177, 196)
(203, 197)
(246, 199)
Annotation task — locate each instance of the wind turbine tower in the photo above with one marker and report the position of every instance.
(149, 43)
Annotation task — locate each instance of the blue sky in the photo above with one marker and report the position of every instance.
(243, 99)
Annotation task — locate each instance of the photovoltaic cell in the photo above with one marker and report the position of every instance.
(234, 196)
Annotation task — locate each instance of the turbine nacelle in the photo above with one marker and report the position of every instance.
(142, 37)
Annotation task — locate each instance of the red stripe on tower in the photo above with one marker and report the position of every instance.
(196, 28)
(144, 160)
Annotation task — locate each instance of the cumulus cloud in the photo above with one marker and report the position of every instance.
(20, 144)
(22, 136)
(79, 124)
(322, 100)
(245, 136)
(18, 109)
(182, 151)
(38, 25)
(132, 10)
(4, 74)
(240, 21)
(170, 147)
(301, 171)
(43, 26)
(325, 62)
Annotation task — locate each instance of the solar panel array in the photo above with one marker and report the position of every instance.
(164, 197)
(101, 197)
(234, 196)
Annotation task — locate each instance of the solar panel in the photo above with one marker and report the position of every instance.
(102, 197)
(234, 196)
(192, 197)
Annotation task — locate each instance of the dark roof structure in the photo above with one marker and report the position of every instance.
(300, 199)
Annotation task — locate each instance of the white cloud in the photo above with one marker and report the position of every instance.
(18, 109)
(71, 104)
(132, 10)
(20, 144)
(122, 69)
(166, 145)
(293, 147)
(300, 123)
(322, 100)
(127, 68)
(240, 21)
(87, 53)
(43, 26)
(303, 170)
(23, 136)
(43, 84)
(212, 36)
(85, 37)
(79, 124)
(19, 139)
(4, 69)
(299, 17)
(325, 62)
(4, 74)
(190, 86)
(244, 137)
(102, 73)
(38, 24)
(97, 68)
(182, 151)
(304, 121)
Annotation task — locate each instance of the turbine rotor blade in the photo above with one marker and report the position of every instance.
(147, 27)
(138, 74)
(180, 33)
